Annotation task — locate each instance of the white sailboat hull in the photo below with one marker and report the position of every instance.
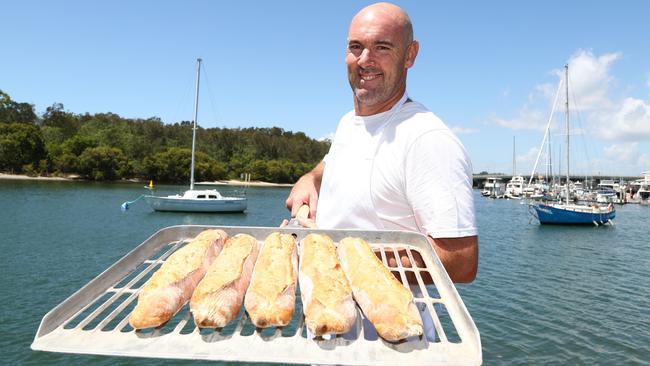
(197, 201)
(196, 205)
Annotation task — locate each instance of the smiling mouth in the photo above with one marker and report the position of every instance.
(369, 75)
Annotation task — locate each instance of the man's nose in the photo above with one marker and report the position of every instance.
(365, 59)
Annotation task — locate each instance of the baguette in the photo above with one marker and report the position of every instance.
(383, 299)
(271, 295)
(326, 295)
(173, 283)
(219, 296)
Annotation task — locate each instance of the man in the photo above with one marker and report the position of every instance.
(392, 164)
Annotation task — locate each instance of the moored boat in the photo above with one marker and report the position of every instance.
(574, 214)
(565, 212)
(515, 187)
(207, 200)
(493, 188)
(192, 200)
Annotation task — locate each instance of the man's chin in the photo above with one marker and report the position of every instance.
(366, 97)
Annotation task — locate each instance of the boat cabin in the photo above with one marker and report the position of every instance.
(209, 194)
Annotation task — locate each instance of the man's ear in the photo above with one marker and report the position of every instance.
(411, 54)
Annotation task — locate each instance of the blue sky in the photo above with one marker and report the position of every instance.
(489, 69)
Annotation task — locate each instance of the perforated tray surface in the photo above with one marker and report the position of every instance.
(94, 320)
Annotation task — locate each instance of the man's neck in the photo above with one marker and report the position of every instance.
(364, 110)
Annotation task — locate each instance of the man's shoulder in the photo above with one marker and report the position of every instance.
(416, 118)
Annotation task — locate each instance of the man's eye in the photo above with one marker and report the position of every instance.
(355, 49)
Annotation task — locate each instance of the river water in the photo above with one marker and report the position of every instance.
(543, 295)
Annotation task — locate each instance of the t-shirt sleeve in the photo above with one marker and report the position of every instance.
(438, 184)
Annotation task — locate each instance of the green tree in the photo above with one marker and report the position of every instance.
(66, 155)
(103, 163)
(20, 144)
(56, 117)
(66, 163)
(174, 164)
(77, 144)
(171, 165)
(13, 112)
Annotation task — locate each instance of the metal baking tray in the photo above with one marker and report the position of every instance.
(94, 320)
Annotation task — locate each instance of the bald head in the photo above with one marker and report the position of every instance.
(388, 14)
(380, 51)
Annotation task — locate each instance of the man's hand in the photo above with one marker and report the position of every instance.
(305, 191)
(301, 218)
(308, 223)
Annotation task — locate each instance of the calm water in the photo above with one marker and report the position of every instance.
(544, 295)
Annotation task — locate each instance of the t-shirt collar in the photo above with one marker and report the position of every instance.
(379, 118)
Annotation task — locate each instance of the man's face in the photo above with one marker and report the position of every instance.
(377, 60)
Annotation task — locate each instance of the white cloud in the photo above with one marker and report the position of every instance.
(545, 91)
(463, 130)
(526, 119)
(602, 115)
(529, 156)
(590, 79)
(622, 153)
(629, 120)
(644, 162)
(531, 116)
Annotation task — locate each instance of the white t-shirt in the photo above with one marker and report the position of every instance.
(402, 169)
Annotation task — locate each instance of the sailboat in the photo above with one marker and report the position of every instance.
(197, 200)
(515, 187)
(567, 213)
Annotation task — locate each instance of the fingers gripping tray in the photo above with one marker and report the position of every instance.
(94, 320)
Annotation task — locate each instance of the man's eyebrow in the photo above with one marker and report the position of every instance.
(384, 43)
(376, 43)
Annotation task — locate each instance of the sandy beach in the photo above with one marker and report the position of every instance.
(233, 182)
(26, 177)
(72, 178)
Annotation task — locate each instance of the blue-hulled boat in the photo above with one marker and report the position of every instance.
(573, 214)
(567, 213)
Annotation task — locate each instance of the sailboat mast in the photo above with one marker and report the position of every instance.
(196, 112)
(566, 72)
(549, 162)
(514, 161)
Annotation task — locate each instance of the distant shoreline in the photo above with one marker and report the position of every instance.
(233, 182)
(27, 177)
(75, 178)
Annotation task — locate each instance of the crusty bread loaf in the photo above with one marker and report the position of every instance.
(326, 295)
(172, 285)
(219, 296)
(271, 295)
(384, 300)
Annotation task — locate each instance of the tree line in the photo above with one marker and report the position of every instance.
(105, 146)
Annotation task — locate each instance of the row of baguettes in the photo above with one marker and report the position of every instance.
(266, 282)
(216, 273)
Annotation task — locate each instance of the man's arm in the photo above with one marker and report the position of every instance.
(306, 190)
(458, 255)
